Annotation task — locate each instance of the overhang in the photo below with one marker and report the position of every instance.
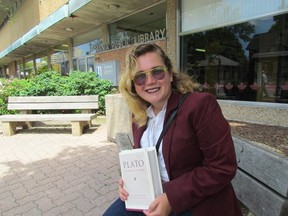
(73, 19)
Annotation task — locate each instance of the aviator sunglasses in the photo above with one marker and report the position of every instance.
(158, 73)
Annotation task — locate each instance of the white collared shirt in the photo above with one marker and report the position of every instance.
(151, 135)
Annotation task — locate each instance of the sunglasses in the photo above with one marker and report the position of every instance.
(158, 73)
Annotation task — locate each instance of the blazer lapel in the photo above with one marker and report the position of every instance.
(137, 134)
(167, 139)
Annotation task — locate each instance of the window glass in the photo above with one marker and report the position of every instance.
(85, 44)
(64, 67)
(75, 67)
(86, 48)
(82, 64)
(206, 14)
(136, 29)
(246, 61)
(90, 64)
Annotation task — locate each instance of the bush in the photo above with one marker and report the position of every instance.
(11, 88)
(51, 83)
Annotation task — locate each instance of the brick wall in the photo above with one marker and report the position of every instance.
(120, 54)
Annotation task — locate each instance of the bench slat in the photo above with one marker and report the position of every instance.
(53, 102)
(260, 199)
(52, 106)
(53, 99)
(267, 166)
(47, 117)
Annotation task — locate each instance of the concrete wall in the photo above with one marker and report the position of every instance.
(118, 116)
(12, 67)
(171, 29)
(274, 114)
(25, 18)
(48, 7)
(30, 14)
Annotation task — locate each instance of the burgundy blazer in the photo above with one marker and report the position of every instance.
(199, 157)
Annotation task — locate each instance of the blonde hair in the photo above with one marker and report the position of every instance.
(182, 83)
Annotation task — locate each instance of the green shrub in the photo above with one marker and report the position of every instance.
(87, 83)
(11, 88)
(3, 108)
(51, 83)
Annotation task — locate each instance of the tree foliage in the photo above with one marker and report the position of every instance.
(226, 41)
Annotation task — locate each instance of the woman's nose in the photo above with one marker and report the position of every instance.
(150, 79)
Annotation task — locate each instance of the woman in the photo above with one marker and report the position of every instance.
(196, 156)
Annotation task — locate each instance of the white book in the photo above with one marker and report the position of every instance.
(141, 176)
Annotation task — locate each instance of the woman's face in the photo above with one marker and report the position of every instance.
(156, 92)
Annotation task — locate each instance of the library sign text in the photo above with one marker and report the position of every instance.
(121, 43)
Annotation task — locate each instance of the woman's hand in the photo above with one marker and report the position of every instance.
(159, 207)
(123, 194)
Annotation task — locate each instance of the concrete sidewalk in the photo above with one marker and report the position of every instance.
(50, 172)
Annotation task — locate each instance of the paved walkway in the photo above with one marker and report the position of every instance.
(50, 172)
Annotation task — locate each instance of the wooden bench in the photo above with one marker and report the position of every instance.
(261, 181)
(26, 106)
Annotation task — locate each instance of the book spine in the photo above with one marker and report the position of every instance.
(149, 172)
(154, 164)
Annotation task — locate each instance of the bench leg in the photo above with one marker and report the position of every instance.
(9, 128)
(78, 127)
(26, 125)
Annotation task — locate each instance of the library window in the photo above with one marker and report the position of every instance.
(246, 61)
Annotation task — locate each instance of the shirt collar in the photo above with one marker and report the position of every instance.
(150, 113)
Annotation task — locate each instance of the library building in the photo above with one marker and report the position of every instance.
(236, 50)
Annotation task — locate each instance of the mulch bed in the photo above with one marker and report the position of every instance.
(275, 137)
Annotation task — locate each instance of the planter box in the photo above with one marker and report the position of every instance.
(118, 117)
(273, 114)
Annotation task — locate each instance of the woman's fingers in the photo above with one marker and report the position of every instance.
(123, 195)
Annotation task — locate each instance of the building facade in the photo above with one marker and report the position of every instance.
(236, 50)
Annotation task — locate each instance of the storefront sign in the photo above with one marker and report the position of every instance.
(108, 71)
(120, 43)
(59, 57)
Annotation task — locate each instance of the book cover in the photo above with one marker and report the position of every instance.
(141, 176)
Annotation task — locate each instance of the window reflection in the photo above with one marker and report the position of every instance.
(90, 63)
(247, 61)
(82, 64)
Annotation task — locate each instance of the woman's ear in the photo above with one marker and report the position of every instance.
(171, 76)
